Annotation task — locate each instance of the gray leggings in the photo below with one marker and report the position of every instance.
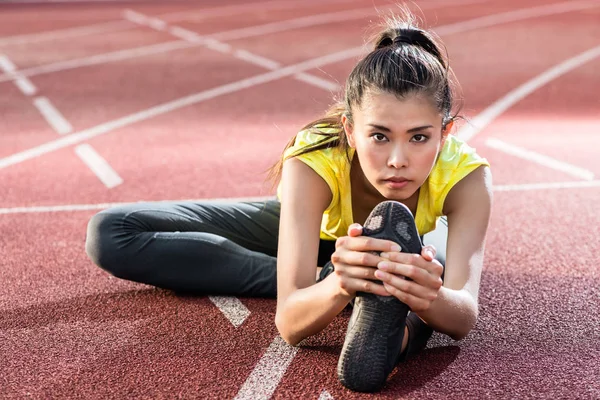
(215, 248)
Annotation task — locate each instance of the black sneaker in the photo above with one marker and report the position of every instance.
(376, 328)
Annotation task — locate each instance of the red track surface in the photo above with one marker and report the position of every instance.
(68, 330)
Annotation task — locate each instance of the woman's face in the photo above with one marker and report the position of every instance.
(396, 141)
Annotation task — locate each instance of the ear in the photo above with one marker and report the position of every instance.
(347, 125)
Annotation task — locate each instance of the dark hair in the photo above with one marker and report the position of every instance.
(405, 60)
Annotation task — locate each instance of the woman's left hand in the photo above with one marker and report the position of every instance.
(424, 272)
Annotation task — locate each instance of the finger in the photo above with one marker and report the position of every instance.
(353, 285)
(433, 267)
(359, 258)
(416, 304)
(355, 230)
(406, 286)
(418, 274)
(428, 252)
(364, 243)
(352, 271)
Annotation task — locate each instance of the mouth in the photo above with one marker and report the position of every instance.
(396, 180)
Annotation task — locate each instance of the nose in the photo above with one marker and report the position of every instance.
(398, 157)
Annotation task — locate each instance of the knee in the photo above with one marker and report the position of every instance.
(101, 245)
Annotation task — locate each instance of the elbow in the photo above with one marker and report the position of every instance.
(467, 326)
(285, 332)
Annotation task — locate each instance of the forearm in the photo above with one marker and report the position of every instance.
(454, 313)
(307, 311)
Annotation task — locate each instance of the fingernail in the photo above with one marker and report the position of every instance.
(395, 247)
(379, 274)
(429, 253)
(383, 266)
(384, 255)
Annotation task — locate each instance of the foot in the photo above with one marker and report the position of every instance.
(376, 328)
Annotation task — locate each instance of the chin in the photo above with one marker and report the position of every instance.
(396, 194)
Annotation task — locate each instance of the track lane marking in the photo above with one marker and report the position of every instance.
(116, 26)
(233, 309)
(103, 58)
(164, 108)
(244, 55)
(101, 206)
(541, 159)
(488, 115)
(268, 372)
(109, 126)
(10, 69)
(99, 166)
(52, 115)
(325, 395)
(141, 51)
(547, 186)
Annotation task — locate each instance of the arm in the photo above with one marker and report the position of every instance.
(303, 307)
(451, 308)
(468, 208)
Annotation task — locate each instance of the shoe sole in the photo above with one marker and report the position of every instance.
(363, 364)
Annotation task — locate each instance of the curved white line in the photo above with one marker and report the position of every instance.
(232, 87)
(482, 120)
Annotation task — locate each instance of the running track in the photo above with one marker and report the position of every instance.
(112, 102)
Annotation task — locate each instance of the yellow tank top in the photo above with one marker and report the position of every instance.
(456, 160)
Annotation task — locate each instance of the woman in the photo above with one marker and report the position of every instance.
(377, 158)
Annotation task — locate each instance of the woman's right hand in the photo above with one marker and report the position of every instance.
(355, 261)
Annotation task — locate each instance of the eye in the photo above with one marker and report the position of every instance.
(419, 138)
(379, 137)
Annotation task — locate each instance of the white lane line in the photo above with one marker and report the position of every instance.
(116, 26)
(325, 395)
(164, 108)
(102, 206)
(104, 27)
(269, 371)
(226, 48)
(488, 115)
(233, 309)
(121, 55)
(24, 84)
(6, 65)
(322, 19)
(256, 59)
(52, 115)
(235, 9)
(106, 127)
(104, 58)
(547, 186)
(98, 165)
(522, 14)
(134, 17)
(540, 159)
(273, 65)
(185, 34)
(157, 24)
(318, 81)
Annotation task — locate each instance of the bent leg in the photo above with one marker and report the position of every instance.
(208, 248)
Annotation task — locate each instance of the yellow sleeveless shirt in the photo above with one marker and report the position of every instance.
(456, 160)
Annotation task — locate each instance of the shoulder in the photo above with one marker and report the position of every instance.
(473, 192)
(456, 161)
